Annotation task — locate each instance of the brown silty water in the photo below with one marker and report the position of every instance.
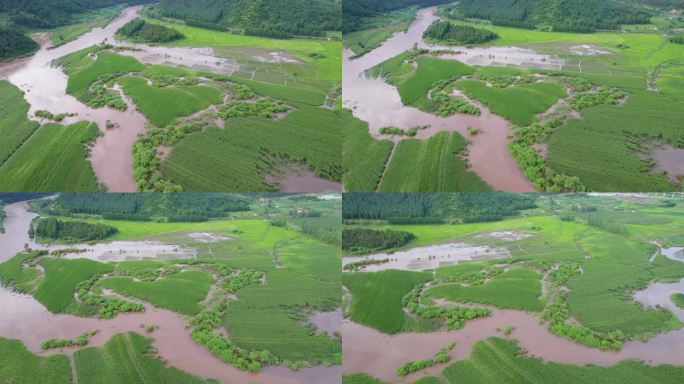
(25, 319)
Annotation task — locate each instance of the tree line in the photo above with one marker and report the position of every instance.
(446, 32)
(559, 15)
(435, 207)
(14, 44)
(144, 205)
(55, 229)
(271, 18)
(366, 240)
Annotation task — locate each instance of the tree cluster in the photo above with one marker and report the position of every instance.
(366, 240)
(14, 43)
(140, 30)
(56, 229)
(354, 11)
(447, 33)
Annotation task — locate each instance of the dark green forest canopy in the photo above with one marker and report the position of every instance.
(51, 228)
(467, 207)
(142, 31)
(366, 240)
(54, 13)
(14, 43)
(142, 206)
(560, 15)
(446, 32)
(272, 18)
(353, 11)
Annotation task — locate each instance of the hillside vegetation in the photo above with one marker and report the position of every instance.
(272, 18)
(558, 15)
(14, 43)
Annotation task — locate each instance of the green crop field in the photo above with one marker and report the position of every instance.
(56, 290)
(415, 89)
(126, 359)
(516, 288)
(15, 128)
(432, 165)
(18, 365)
(518, 104)
(52, 159)
(265, 278)
(181, 292)
(376, 297)
(237, 156)
(574, 247)
(498, 360)
(364, 158)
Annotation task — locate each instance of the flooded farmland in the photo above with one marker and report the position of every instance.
(23, 318)
(430, 257)
(379, 104)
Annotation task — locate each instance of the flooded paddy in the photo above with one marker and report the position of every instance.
(670, 160)
(506, 235)
(207, 237)
(430, 257)
(194, 58)
(296, 178)
(329, 323)
(128, 250)
(658, 295)
(379, 104)
(17, 223)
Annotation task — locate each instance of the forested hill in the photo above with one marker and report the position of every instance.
(353, 11)
(434, 207)
(272, 18)
(14, 43)
(53, 13)
(559, 15)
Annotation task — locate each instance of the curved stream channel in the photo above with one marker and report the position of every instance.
(25, 319)
(379, 104)
(44, 88)
(368, 350)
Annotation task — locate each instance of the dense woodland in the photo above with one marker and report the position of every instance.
(14, 197)
(51, 228)
(366, 240)
(178, 206)
(271, 18)
(142, 31)
(406, 207)
(14, 43)
(54, 13)
(559, 15)
(447, 33)
(353, 11)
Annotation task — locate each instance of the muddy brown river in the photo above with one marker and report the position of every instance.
(379, 104)
(25, 319)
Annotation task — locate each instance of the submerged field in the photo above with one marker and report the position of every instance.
(245, 296)
(576, 265)
(574, 102)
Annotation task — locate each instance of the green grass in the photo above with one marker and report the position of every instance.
(364, 158)
(678, 299)
(233, 158)
(15, 127)
(126, 358)
(180, 292)
(56, 290)
(19, 366)
(501, 361)
(13, 273)
(360, 378)
(518, 104)
(107, 63)
(376, 297)
(52, 159)
(432, 165)
(375, 30)
(163, 105)
(415, 89)
(518, 288)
